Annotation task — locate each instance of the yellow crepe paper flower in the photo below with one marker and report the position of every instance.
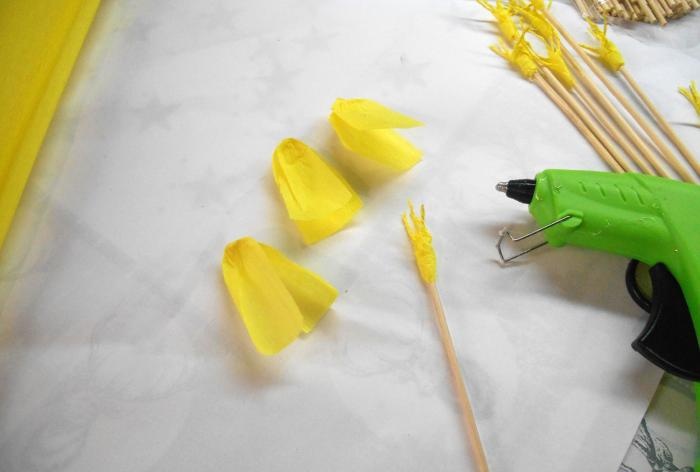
(520, 57)
(555, 62)
(504, 19)
(691, 93)
(276, 298)
(316, 196)
(607, 51)
(422, 243)
(364, 126)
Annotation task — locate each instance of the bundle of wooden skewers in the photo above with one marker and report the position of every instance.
(649, 11)
(619, 133)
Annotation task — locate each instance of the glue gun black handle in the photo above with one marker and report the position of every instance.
(668, 339)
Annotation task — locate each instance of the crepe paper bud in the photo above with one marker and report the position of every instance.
(537, 22)
(520, 57)
(504, 19)
(607, 51)
(364, 127)
(317, 198)
(276, 298)
(422, 243)
(691, 93)
(555, 62)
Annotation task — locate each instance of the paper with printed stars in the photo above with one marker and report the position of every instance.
(120, 348)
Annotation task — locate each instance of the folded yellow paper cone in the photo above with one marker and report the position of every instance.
(276, 298)
(365, 127)
(316, 196)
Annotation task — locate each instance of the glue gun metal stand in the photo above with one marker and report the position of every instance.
(652, 220)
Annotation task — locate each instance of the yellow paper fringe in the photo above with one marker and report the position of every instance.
(691, 93)
(504, 20)
(316, 196)
(422, 243)
(533, 17)
(607, 51)
(364, 127)
(555, 62)
(276, 298)
(520, 57)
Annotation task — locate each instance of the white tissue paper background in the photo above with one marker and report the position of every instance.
(120, 348)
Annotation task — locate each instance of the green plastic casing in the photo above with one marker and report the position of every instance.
(651, 219)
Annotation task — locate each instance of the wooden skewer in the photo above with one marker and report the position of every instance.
(590, 124)
(661, 121)
(630, 133)
(666, 8)
(478, 453)
(621, 140)
(644, 6)
(665, 151)
(658, 12)
(576, 121)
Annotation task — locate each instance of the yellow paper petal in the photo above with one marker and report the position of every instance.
(316, 196)
(276, 298)
(382, 145)
(556, 63)
(365, 114)
(269, 311)
(313, 295)
(607, 51)
(422, 244)
(691, 93)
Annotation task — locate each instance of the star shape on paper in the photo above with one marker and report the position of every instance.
(406, 73)
(315, 40)
(155, 113)
(141, 31)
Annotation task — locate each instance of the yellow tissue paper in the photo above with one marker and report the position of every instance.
(277, 299)
(504, 19)
(555, 62)
(607, 51)
(316, 196)
(422, 243)
(364, 126)
(39, 43)
(691, 93)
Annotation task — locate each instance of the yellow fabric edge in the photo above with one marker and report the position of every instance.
(25, 156)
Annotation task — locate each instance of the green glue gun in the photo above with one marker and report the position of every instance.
(653, 221)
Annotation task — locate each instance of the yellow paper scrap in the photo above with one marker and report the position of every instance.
(364, 127)
(537, 22)
(691, 93)
(422, 243)
(276, 298)
(316, 196)
(607, 51)
(504, 19)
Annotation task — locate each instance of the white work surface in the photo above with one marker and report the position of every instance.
(120, 349)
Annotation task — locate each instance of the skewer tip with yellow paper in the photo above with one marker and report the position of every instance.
(422, 243)
(316, 196)
(277, 299)
(606, 50)
(365, 127)
(693, 96)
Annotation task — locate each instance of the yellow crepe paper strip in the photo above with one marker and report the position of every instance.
(316, 196)
(504, 19)
(422, 243)
(537, 22)
(520, 57)
(691, 93)
(277, 299)
(555, 62)
(39, 43)
(364, 127)
(607, 51)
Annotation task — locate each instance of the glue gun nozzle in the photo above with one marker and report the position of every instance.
(522, 190)
(502, 187)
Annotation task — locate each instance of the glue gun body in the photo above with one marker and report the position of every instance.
(652, 220)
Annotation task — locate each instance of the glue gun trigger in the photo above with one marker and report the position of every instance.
(668, 340)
